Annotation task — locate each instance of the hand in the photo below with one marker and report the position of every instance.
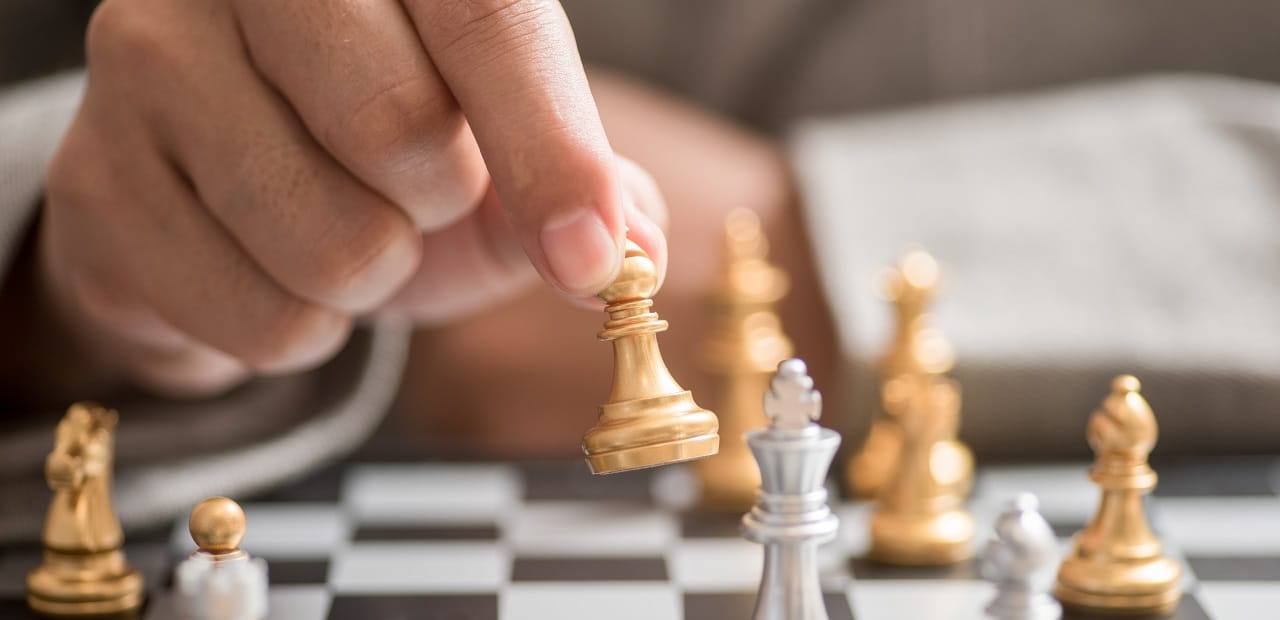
(244, 178)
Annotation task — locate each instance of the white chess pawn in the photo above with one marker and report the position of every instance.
(1022, 560)
(219, 581)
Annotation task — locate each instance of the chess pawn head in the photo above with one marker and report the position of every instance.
(217, 525)
(649, 420)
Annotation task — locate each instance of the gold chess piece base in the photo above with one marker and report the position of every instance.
(1151, 587)
(935, 540)
(651, 431)
(80, 584)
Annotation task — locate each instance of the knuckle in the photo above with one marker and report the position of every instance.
(394, 126)
(474, 26)
(374, 261)
(298, 336)
(124, 33)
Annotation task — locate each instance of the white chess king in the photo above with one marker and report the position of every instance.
(791, 517)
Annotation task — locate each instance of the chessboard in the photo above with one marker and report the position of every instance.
(543, 541)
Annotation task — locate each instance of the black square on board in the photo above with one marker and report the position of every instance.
(426, 607)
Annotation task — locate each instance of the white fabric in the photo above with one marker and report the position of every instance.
(33, 118)
(1132, 227)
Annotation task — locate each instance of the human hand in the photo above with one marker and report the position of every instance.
(245, 178)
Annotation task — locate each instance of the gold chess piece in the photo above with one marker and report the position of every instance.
(1116, 565)
(84, 571)
(217, 526)
(744, 347)
(916, 347)
(649, 420)
(919, 517)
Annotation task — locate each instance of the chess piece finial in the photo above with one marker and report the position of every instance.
(220, 581)
(744, 343)
(649, 420)
(916, 347)
(84, 571)
(919, 517)
(1021, 559)
(791, 404)
(217, 525)
(790, 516)
(1116, 565)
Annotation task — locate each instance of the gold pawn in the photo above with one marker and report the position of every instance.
(1116, 565)
(919, 517)
(917, 347)
(649, 420)
(84, 571)
(217, 526)
(745, 344)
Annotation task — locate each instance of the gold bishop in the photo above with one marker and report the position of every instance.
(1116, 565)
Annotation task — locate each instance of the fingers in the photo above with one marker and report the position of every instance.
(514, 68)
(308, 223)
(360, 81)
(174, 281)
(474, 263)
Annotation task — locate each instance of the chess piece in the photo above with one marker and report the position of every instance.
(1116, 565)
(649, 420)
(744, 345)
(791, 517)
(83, 571)
(219, 581)
(1021, 559)
(919, 517)
(917, 347)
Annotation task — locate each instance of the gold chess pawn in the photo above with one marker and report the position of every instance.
(649, 420)
(919, 518)
(745, 344)
(1117, 565)
(84, 571)
(217, 526)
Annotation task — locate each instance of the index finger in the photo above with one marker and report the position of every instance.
(514, 68)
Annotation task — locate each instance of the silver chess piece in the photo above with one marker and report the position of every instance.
(1022, 560)
(219, 581)
(791, 517)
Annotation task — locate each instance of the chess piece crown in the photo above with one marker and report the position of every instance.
(649, 420)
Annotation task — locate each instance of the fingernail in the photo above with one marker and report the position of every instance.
(580, 251)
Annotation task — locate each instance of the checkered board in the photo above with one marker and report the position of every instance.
(548, 541)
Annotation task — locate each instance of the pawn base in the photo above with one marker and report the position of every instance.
(640, 457)
(651, 431)
(81, 585)
(1148, 588)
(934, 541)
